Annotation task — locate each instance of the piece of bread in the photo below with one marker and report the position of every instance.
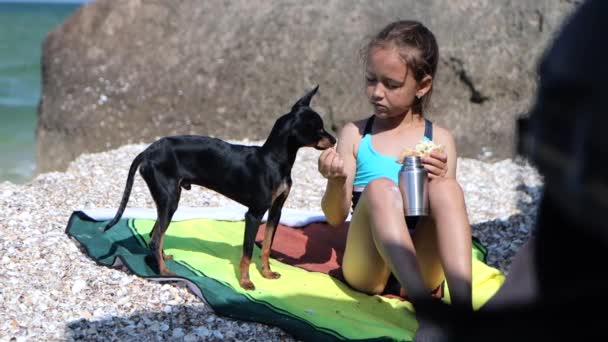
(423, 148)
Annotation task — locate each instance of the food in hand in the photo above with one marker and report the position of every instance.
(422, 149)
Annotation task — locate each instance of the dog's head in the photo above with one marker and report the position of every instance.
(306, 126)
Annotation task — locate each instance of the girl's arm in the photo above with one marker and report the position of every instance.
(338, 166)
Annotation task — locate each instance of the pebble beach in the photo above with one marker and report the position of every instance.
(51, 291)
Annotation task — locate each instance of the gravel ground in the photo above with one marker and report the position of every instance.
(49, 289)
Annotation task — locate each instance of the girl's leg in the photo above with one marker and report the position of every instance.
(378, 242)
(448, 212)
(362, 266)
(427, 251)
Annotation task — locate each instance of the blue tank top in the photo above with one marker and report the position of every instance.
(372, 165)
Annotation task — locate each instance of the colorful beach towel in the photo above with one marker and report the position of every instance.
(309, 301)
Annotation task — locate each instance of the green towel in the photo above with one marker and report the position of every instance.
(308, 305)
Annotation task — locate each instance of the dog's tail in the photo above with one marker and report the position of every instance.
(127, 192)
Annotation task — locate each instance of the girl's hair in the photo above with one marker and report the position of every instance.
(417, 47)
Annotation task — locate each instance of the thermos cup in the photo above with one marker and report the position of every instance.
(413, 184)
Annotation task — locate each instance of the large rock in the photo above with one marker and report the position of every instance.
(129, 71)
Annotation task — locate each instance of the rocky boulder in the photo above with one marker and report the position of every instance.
(119, 72)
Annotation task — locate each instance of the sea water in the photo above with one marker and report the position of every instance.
(23, 27)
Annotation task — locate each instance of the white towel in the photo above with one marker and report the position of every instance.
(289, 217)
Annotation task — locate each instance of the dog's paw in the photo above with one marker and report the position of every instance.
(247, 284)
(167, 256)
(167, 272)
(271, 275)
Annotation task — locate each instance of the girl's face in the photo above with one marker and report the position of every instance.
(390, 86)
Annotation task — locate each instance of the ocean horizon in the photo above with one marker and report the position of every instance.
(23, 27)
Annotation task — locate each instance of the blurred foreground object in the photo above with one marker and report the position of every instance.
(564, 136)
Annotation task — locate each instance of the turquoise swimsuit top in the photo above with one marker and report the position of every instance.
(372, 165)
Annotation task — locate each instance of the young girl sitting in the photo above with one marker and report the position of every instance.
(361, 172)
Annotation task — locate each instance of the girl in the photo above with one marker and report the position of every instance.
(400, 62)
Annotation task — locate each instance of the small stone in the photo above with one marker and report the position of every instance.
(78, 286)
(86, 315)
(177, 333)
(202, 332)
(190, 338)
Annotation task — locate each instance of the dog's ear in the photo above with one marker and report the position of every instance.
(305, 100)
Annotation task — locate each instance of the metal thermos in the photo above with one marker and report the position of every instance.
(413, 183)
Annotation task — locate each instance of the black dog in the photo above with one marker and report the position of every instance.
(258, 177)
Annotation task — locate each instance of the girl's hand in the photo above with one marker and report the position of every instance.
(436, 164)
(331, 165)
